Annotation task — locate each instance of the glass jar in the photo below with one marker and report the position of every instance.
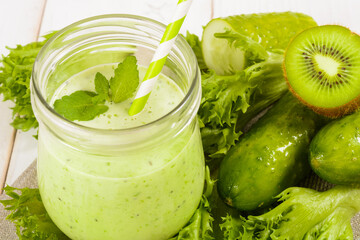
(143, 182)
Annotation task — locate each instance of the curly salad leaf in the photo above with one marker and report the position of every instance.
(229, 102)
(303, 214)
(15, 73)
(200, 225)
(195, 44)
(29, 215)
(254, 51)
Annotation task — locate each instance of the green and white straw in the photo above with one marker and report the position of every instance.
(159, 57)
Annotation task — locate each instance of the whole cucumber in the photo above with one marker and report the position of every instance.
(335, 151)
(272, 156)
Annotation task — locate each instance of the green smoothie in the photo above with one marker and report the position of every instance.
(144, 194)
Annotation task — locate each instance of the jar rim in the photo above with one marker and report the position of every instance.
(151, 23)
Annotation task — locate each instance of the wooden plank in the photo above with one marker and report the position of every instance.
(323, 11)
(19, 24)
(23, 154)
(7, 137)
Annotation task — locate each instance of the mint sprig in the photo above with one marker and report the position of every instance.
(86, 105)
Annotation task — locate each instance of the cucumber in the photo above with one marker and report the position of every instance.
(272, 156)
(255, 33)
(335, 151)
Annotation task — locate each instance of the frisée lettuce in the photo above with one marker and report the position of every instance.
(302, 214)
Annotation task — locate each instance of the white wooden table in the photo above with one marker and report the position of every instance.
(23, 21)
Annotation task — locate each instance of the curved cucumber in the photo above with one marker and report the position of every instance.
(270, 157)
(335, 151)
(254, 34)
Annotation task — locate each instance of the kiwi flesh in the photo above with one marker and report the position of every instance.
(322, 69)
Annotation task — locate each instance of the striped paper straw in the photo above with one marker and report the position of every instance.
(159, 57)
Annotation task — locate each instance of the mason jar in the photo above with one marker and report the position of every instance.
(142, 182)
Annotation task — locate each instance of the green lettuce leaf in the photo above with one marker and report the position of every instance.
(254, 51)
(15, 73)
(229, 102)
(195, 44)
(200, 225)
(29, 215)
(232, 228)
(303, 214)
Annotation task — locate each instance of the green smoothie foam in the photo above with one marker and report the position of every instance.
(131, 195)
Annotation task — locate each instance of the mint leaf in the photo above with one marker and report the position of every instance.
(102, 86)
(125, 81)
(80, 105)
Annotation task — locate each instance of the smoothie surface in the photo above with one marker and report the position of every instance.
(165, 96)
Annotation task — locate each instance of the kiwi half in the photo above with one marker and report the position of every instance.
(322, 69)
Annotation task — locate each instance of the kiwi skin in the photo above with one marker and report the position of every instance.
(335, 112)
